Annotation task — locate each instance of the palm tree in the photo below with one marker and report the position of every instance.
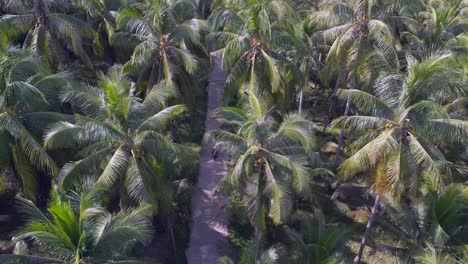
(353, 32)
(301, 45)
(28, 89)
(269, 155)
(248, 255)
(49, 35)
(243, 30)
(160, 34)
(441, 22)
(396, 143)
(433, 256)
(314, 242)
(104, 13)
(122, 139)
(431, 221)
(77, 229)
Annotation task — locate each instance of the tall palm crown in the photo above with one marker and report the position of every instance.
(122, 138)
(442, 22)
(77, 229)
(353, 33)
(50, 35)
(28, 88)
(398, 142)
(350, 28)
(104, 14)
(244, 32)
(315, 242)
(269, 155)
(162, 31)
(432, 220)
(407, 117)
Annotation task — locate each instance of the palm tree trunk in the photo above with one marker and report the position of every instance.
(368, 229)
(341, 138)
(259, 229)
(332, 109)
(173, 240)
(258, 241)
(339, 80)
(152, 79)
(351, 85)
(301, 96)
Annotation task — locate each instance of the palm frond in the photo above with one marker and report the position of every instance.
(30, 211)
(189, 61)
(115, 168)
(160, 121)
(449, 130)
(273, 72)
(274, 190)
(130, 18)
(24, 96)
(231, 115)
(228, 142)
(295, 128)
(294, 165)
(114, 232)
(13, 26)
(369, 155)
(32, 149)
(72, 171)
(366, 102)
(25, 173)
(360, 124)
(62, 135)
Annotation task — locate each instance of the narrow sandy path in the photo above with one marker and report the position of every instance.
(208, 239)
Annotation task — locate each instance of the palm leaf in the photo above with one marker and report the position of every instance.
(360, 124)
(273, 189)
(273, 72)
(161, 120)
(71, 172)
(449, 130)
(369, 155)
(62, 135)
(228, 142)
(113, 232)
(25, 172)
(13, 26)
(115, 168)
(366, 102)
(32, 149)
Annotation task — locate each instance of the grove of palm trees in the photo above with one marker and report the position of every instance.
(233, 131)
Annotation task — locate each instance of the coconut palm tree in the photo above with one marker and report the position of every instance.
(160, 34)
(77, 229)
(244, 37)
(353, 30)
(248, 255)
(432, 256)
(104, 14)
(122, 139)
(269, 156)
(314, 242)
(302, 46)
(397, 142)
(28, 89)
(49, 35)
(440, 23)
(432, 221)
